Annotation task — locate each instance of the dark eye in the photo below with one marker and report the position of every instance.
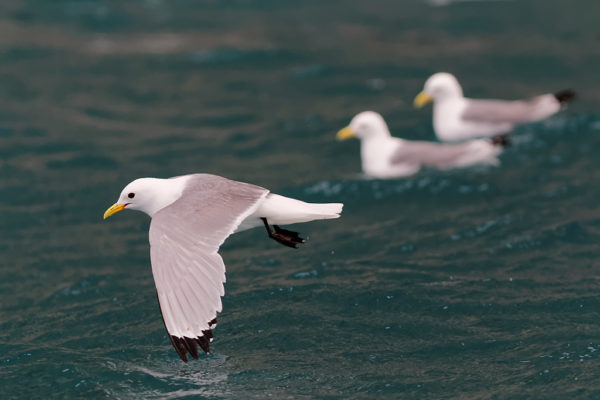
(131, 195)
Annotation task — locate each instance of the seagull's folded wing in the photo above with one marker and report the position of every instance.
(430, 154)
(189, 273)
(518, 111)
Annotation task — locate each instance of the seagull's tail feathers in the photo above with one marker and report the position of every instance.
(280, 210)
(481, 151)
(565, 96)
(325, 210)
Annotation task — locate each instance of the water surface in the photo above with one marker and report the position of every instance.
(471, 284)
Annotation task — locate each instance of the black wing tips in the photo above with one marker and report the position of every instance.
(501, 140)
(565, 96)
(179, 345)
(186, 345)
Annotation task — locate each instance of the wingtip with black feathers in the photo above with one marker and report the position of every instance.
(187, 345)
(565, 96)
(501, 140)
(184, 345)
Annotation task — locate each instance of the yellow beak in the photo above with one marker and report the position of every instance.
(115, 208)
(422, 99)
(345, 133)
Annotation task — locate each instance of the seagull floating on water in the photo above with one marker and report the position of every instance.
(192, 215)
(457, 118)
(384, 156)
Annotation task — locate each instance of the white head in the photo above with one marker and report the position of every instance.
(438, 87)
(366, 125)
(148, 195)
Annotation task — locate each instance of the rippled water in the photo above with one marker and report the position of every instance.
(472, 284)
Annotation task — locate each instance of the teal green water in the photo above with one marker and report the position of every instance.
(472, 284)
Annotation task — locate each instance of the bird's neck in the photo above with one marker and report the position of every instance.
(166, 192)
(450, 97)
(375, 151)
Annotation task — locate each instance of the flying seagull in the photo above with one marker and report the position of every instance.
(457, 118)
(384, 156)
(192, 215)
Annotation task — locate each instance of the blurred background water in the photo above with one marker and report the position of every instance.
(470, 284)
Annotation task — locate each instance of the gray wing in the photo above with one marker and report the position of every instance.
(498, 111)
(431, 154)
(188, 272)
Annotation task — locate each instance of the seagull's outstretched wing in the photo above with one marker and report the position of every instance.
(514, 112)
(188, 272)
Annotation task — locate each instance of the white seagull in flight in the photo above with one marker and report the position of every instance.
(192, 215)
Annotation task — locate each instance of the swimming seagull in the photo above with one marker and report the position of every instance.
(384, 156)
(192, 215)
(457, 118)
